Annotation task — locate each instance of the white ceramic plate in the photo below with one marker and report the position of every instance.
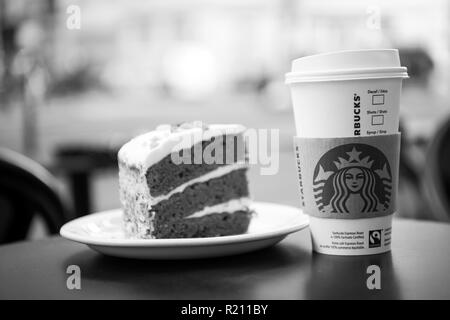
(103, 233)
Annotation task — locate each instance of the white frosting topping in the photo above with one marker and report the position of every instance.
(145, 150)
(230, 206)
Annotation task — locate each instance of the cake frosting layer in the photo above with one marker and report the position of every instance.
(147, 149)
(135, 198)
(234, 205)
(219, 172)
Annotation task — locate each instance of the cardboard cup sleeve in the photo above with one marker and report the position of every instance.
(348, 178)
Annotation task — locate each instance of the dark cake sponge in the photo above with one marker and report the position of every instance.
(213, 225)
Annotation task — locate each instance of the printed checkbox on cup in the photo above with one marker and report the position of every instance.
(377, 120)
(377, 99)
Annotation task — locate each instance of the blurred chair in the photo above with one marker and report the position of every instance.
(411, 201)
(79, 163)
(419, 64)
(436, 178)
(27, 189)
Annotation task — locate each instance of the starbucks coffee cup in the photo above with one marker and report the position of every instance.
(346, 109)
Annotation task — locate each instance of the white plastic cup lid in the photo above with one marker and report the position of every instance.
(347, 65)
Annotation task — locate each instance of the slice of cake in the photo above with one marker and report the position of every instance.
(185, 181)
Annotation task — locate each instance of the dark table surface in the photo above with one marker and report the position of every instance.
(417, 268)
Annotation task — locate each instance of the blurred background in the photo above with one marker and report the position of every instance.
(79, 78)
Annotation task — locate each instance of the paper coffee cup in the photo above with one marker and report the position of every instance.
(346, 109)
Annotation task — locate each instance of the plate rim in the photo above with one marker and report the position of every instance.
(303, 222)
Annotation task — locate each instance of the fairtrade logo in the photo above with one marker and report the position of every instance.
(353, 178)
(374, 238)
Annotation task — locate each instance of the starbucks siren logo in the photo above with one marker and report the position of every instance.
(353, 178)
